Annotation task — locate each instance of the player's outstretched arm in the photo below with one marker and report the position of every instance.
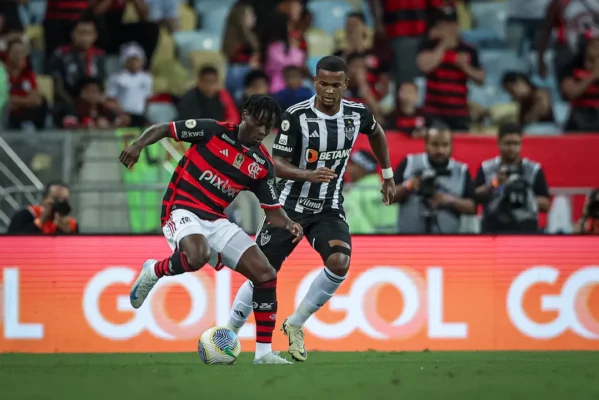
(153, 134)
(286, 170)
(378, 144)
(277, 217)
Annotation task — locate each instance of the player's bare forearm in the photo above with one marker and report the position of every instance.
(286, 170)
(277, 217)
(401, 194)
(380, 148)
(153, 134)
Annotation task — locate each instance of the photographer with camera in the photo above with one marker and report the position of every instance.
(589, 222)
(512, 189)
(435, 190)
(49, 218)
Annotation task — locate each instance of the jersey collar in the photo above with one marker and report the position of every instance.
(322, 115)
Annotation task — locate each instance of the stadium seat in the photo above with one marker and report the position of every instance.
(329, 15)
(160, 84)
(320, 43)
(216, 59)
(187, 18)
(213, 20)
(187, 42)
(497, 62)
(542, 129)
(130, 15)
(311, 63)
(421, 84)
(35, 35)
(159, 113)
(202, 6)
(561, 112)
(491, 15)
(165, 50)
(46, 87)
(174, 73)
(341, 41)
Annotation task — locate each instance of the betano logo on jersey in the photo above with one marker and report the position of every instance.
(313, 155)
(221, 184)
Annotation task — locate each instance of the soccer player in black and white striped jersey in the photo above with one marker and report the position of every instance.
(311, 152)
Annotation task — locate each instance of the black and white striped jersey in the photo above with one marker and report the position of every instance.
(310, 139)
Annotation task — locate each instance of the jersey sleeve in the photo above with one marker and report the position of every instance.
(368, 123)
(193, 130)
(288, 137)
(265, 190)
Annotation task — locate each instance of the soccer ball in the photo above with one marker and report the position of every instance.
(219, 345)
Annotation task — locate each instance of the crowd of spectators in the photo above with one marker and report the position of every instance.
(105, 63)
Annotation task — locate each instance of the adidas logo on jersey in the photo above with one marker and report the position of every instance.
(314, 135)
(225, 152)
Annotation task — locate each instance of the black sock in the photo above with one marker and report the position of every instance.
(265, 310)
(174, 265)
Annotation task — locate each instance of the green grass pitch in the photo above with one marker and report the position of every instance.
(345, 376)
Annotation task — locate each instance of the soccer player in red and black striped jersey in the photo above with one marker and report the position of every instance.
(223, 160)
(448, 64)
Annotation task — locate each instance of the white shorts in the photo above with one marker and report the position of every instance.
(227, 241)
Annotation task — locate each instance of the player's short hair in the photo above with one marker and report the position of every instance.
(358, 15)
(263, 109)
(509, 128)
(49, 185)
(331, 64)
(208, 70)
(254, 76)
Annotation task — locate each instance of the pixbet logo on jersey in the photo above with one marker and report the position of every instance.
(314, 156)
(571, 303)
(221, 184)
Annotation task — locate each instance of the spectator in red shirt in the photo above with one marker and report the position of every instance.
(71, 64)
(377, 70)
(407, 117)
(90, 110)
(448, 64)
(580, 85)
(241, 47)
(404, 23)
(208, 100)
(60, 20)
(114, 33)
(26, 102)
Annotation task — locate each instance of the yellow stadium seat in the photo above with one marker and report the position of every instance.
(341, 42)
(187, 18)
(130, 15)
(216, 59)
(46, 87)
(464, 16)
(165, 50)
(160, 85)
(35, 35)
(320, 43)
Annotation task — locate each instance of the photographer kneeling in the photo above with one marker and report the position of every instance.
(435, 189)
(49, 218)
(512, 189)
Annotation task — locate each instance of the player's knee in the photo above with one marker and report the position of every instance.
(338, 263)
(264, 272)
(197, 258)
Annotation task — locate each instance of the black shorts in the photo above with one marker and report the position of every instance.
(319, 229)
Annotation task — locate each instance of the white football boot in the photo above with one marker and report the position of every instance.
(272, 358)
(144, 284)
(297, 349)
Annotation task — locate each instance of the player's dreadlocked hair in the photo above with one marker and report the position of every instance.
(263, 109)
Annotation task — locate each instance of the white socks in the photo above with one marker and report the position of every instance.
(321, 290)
(242, 307)
(262, 349)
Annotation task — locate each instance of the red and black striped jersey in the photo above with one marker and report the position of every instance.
(407, 123)
(66, 9)
(447, 85)
(215, 169)
(577, 71)
(410, 17)
(24, 83)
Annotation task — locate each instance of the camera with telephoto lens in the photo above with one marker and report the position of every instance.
(517, 188)
(61, 207)
(429, 182)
